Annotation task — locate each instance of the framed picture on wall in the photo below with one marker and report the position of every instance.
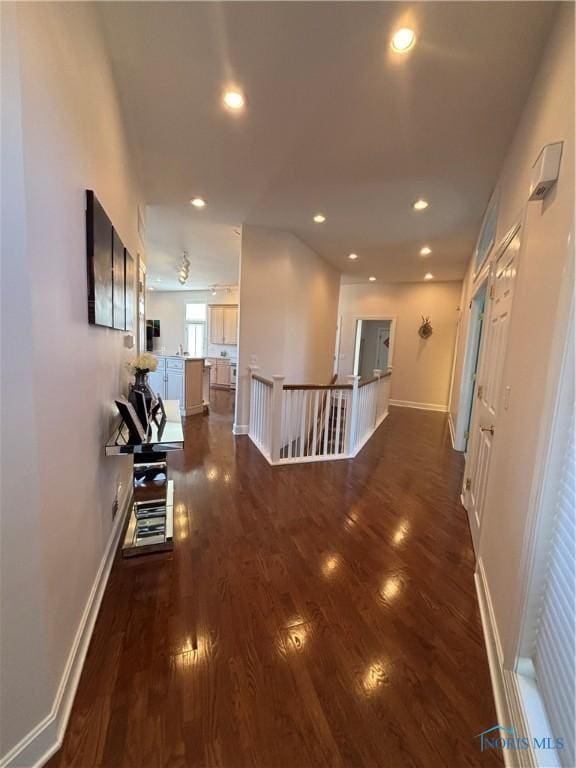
(119, 291)
(99, 263)
(130, 280)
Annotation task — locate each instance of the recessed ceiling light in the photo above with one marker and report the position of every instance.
(319, 218)
(403, 39)
(353, 256)
(198, 202)
(426, 251)
(234, 99)
(150, 287)
(372, 278)
(428, 276)
(158, 279)
(420, 205)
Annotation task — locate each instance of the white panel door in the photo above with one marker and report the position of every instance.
(490, 393)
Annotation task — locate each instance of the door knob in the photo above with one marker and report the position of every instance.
(488, 429)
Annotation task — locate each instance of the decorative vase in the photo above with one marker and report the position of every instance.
(141, 385)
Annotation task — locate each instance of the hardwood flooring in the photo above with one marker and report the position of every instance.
(310, 615)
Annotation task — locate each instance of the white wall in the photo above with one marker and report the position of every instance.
(288, 309)
(421, 369)
(61, 133)
(170, 308)
(545, 265)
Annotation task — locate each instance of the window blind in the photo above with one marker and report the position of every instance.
(554, 648)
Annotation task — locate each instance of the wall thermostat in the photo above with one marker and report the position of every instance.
(545, 171)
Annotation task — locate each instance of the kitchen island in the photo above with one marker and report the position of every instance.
(182, 378)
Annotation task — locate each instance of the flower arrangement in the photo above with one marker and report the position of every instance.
(142, 364)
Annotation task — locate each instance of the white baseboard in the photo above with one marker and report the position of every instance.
(46, 737)
(240, 429)
(421, 406)
(451, 428)
(505, 685)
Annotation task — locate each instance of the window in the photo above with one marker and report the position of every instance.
(487, 235)
(196, 329)
(547, 665)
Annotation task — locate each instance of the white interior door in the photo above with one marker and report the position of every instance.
(382, 349)
(490, 392)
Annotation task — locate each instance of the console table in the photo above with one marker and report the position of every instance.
(151, 524)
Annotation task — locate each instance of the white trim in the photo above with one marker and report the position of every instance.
(421, 406)
(505, 685)
(238, 429)
(358, 319)
(368, 436)
(47, 736)
(451, 428)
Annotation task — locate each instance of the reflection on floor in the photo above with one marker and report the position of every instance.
(310, 615)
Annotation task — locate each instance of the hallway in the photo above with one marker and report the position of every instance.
(310, 615)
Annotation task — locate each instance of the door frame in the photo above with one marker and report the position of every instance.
(358, 320)
(470, 362)
(518, 227)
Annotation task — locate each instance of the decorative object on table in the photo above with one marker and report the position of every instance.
(425, 330)
(99, 263)
(141, 407)
(141, 367)
(136, 432)
(158, 412)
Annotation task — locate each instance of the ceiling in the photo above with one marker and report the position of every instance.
(335, 122)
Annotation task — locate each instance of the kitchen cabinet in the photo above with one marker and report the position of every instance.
(221, 372)
(182, 379)
(223, 324)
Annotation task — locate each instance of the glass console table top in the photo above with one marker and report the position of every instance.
(162, 437)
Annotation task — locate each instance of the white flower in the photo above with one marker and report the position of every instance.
(143, 364)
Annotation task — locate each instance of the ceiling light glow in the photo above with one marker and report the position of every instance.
(353, 256)
(420, 205)
(372, 278)
(403, 39)
(319, 218)
(234, 99)
(428, 276)
(198, 202)
(426, 251)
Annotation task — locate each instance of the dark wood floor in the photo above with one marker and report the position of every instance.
(310, 615)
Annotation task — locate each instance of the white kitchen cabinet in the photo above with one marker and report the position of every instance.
(230, 325)
(221, 372)
(223, 324)
(156, 379)
(175, 386)
(182, 379)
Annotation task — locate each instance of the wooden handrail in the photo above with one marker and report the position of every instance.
(374, 378)
(317, 386)
(371, 380)
(262, 380)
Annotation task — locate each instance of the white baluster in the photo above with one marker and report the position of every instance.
(276, 413)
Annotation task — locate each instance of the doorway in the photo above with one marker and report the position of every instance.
(470, 367)
(491, 395)
(374, 345)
